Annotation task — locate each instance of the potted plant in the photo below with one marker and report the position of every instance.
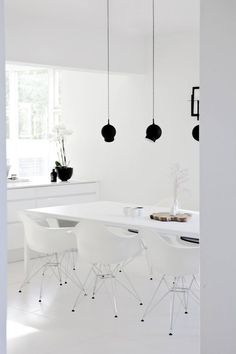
(64, 171)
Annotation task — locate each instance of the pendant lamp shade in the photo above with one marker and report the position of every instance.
(195, 133)
(153, 131)
(108, 131)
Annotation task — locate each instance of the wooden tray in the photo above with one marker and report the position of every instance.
(184, 217)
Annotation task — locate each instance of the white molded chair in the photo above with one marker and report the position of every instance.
(166, 203)
(107, 249)
(175, 259)
(54, 243)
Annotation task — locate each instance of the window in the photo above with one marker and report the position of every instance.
(33, 107)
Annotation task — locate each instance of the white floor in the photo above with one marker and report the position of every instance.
(51, 327)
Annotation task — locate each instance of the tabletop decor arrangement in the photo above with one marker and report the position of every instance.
(63, 169)
(180, 217)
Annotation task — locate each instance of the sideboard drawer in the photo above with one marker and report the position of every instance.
(20, 194)
(68, 189)
(14, 207)
(82, 198)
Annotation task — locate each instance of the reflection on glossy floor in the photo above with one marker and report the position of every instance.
(51, 327)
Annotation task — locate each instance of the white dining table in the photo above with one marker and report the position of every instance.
(112, 213)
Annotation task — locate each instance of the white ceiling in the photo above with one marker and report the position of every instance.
(130, 16)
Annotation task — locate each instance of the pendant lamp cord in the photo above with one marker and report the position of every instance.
(108, 60)
(153, 59)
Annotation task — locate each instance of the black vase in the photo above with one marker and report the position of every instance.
(64, 173)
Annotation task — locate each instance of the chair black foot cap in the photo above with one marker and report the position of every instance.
(116, 316)
(186, 312)
(73, 310)
(73, 268)
(170, 334)
(85, 294)
(120, 270)
(151, 278)
(19, 291)
(60, 284)
(93, 297)
(40, 300)
(142, 320)
(141, 304)
(65, 282)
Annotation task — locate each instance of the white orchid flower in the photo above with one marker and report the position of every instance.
(59, 132)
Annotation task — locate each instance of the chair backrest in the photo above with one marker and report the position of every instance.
(43, 239)
(169, 256)
(98, 243)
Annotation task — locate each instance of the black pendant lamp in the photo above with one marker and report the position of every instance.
(195, 133)
(153, 131)
(195, 111)
(108, 131)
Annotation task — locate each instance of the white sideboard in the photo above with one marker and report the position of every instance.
(22, 196)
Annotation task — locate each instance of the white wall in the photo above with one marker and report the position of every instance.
(3, 247)
(73, 34)
(132, 169)
(218, 176)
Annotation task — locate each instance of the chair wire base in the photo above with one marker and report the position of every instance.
(177, 288)
(104, 273)
(60, 266)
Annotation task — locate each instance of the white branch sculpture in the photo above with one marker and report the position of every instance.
(180, 176)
